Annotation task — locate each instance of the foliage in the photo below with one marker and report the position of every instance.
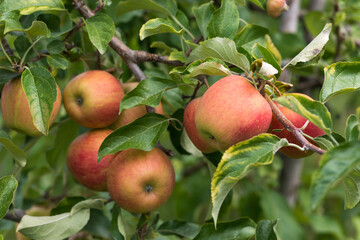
(177, 48)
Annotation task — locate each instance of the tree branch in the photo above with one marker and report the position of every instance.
(14, 215)
(291, 127)
(130, 57)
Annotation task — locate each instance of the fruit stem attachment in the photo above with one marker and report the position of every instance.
(291, 127)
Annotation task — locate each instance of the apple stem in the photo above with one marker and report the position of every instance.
(291, 127)
(274, 87)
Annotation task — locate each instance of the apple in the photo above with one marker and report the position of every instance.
(274, 8)
(82, 159)
(140, 181)
(15, 108)
(129, 115)
(230, 111)
(92, 99)
(278, 129)
(191, 130)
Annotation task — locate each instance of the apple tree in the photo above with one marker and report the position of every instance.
(224, 119)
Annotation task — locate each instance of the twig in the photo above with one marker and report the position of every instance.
(130, 57)
(79, 24)
(99, 7)
(14, 215)
(165, 150)
(197, 40)
(291, 127)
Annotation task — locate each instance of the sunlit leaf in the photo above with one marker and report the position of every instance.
(340, 78)
(157, 26)
(237, 161)
(8, 186)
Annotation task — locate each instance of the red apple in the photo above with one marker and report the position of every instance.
(129, 115)
(15, 108)
(92, 99)
(299, 121)
(140, 181)
(231, 111)
(191, 130)
(82, 159)
(274, 8)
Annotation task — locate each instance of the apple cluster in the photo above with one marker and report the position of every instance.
(137, 180)
(232, 110)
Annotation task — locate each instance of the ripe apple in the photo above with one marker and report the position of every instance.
(231, 111)
(129, 115)
(274, 8)
(82, 159)
(92, 99)
(140, 181)
(299, 121)
(15, 108)
(191, 130)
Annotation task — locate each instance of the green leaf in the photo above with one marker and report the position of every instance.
(147, 92)
(101, 29)
(56, 46)
(210, 66)
(37, 28)
(202, 15)
(221, 48)
(157, 26)
(126, 223)
(352, 188)
(27, 7)
(249, 35)
(167, 7)
(179, 228)
(55, 227)
(8, 186)
(57, 61)
(17, 153)
(274, 206)
(340, 78)
(242, 228)
(335, 164)
(1, 237)
(265, 230)
(11, 22)
(237, 161)
(313, 48)
(260, 3)
(352, 128)
(86, 204)
(259, 51)
(315, 111)
(40, 90)
(143, 133)
(224, 22)
(177, 55)
(66, 133)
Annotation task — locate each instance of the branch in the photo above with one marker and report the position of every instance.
(14, 215)
(291, 127)
(130, 57)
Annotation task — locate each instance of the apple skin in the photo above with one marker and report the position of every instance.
(231, 111)
(92, 99)
(141, 181)
(15, 108)
(82, 159)
(274, 8)
(191, 130)
(299, 121)
(129, 115)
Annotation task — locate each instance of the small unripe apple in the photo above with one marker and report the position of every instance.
(92, 99)
(231, 111)
(140, 181)
(274, 8)
(129, 115)
(278, 129)
(15, 108)
(191, 130)
(82, 159)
